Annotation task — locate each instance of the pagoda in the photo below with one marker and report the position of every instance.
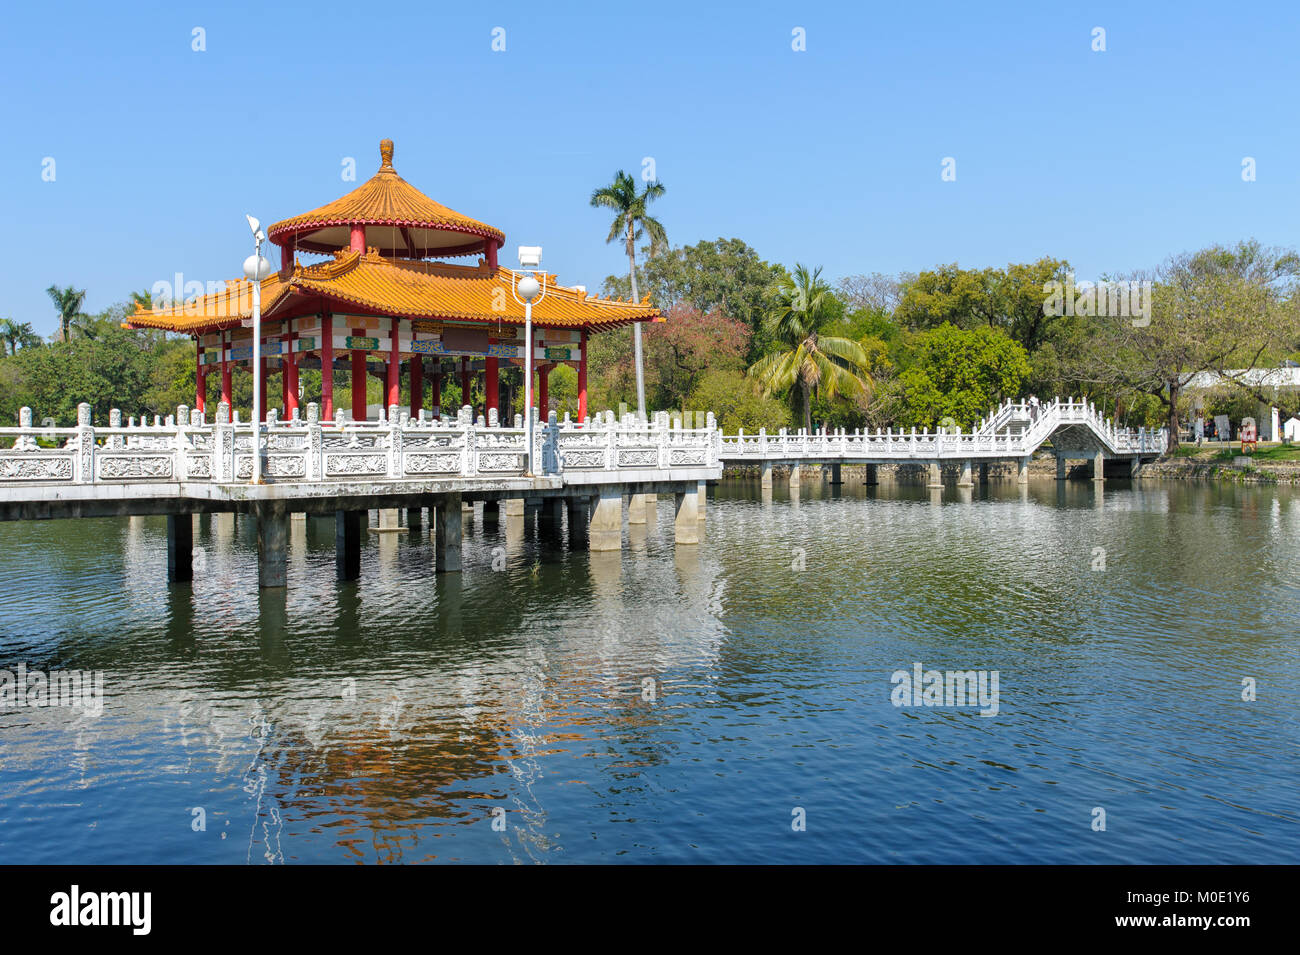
(384, 303)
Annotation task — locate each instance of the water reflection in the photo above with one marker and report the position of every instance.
(668, 703)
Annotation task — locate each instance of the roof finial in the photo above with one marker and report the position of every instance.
(386, 153)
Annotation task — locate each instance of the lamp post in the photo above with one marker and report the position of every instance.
(257, 268)
(527, 290)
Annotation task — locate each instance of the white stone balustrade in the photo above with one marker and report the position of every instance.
(189, 448)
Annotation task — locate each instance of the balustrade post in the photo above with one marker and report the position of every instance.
(551, 445)
(179, 464)
(394, 443)
(85, 461)
(315, 443)
(465, 422)
(115, 421)
(223, 445)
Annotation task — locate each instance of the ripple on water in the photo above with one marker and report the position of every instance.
(675, 704)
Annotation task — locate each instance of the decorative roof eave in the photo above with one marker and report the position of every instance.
(359, 306)
(391, 283)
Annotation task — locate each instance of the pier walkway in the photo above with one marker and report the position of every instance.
(186, 465)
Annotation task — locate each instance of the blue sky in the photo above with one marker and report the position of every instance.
(830, 156)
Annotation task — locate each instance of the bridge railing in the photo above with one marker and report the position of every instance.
(188, 448)
(1012, 429)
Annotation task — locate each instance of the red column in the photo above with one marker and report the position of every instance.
(582, 378)
(394, 372)
(200, 383)
(286, 259)
(261, 411)
(285, 380)
(291, 389)
(358, 243)
(490, 382)
(417, 385)
(435, 396)
(491, 248)
(464, 382)
(327, 367)
(543, 377)
(225, 370)
(358, 380)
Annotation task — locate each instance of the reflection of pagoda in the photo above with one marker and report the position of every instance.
(381, 297)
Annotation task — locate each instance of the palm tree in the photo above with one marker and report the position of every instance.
(17, 335)
(799, 310)
(631, 221)
(68, 302)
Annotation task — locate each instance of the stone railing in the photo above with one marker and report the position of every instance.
(1014, 429)
(188, 448)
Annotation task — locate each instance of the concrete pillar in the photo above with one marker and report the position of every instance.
(1060, 467)
(936, 476)
(686, 525)
(794, 475)
(964, 480)
(636, 510)
(552, 514)
(389, 519)
(766, 480)
(414, 517)
(1022, 471)
(513, 507)
(871, 476)
(703, 499)
(447, 534)
(579, 520)
(1099, 466)
(1134, 466)
(347, 544)
(605, 531)
(984, 473)
(272, 544)
(180, 548)
(835, 474)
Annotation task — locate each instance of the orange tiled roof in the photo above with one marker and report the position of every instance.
(371, 283)
(401, 219)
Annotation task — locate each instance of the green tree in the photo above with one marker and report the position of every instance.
(16, 335)
(677, 352)
(631, 221)
(722, 275)
(1222, 309)
(1011, 299)
(68, 302)
(960, 373)
(737, 401)
(801, 307)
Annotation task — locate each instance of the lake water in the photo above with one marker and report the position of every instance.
(394, 719)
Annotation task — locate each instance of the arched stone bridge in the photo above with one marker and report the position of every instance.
(1011, 432)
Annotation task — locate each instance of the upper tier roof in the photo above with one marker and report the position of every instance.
(400, 221)
(372, 284)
